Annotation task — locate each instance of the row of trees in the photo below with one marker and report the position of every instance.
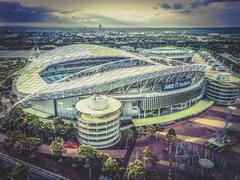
(152, 131)
(33, 126)
(100, 162)
(19, 143)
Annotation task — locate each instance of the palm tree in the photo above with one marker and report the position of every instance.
(89, 153)
(57, 148)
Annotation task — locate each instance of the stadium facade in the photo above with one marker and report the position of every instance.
(169, 52)
(53, 83)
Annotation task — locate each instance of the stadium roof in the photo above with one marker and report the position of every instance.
(132, 69)
(30, 80)
(169, 49)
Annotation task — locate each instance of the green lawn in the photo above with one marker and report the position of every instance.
(193, 110)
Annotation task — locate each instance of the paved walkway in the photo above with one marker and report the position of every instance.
(224, 110)
(191, 139)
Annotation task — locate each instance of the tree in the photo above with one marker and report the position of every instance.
(58, 121)
(136, 170)
(7, 124)
(89, 153)
(33, 125)
(21, 172)
(32, 144)
(141, 131)
(111, 167)
(57, 148)
(47, 128)
(19, 123)
(127, 135)
(68, 130)
(98, 162)
(147, 153)
(15, 141)
(151, 130)
(58, 124)
(171, 135)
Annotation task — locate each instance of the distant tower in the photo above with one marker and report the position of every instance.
(100, 26)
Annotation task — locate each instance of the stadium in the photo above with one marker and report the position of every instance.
(169, 52)
(52, 84)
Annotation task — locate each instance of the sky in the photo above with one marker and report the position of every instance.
(122, 13)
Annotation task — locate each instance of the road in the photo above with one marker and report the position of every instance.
(35, 173)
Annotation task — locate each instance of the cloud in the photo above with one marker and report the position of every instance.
(14, 12)
(177, 6)
(200, 3)
(165, 6)
(173, 6)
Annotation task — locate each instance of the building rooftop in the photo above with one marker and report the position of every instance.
(228, 78)
(104, 107)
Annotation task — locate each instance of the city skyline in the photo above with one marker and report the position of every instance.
(137, 13)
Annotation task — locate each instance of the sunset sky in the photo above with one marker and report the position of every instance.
(124, 13)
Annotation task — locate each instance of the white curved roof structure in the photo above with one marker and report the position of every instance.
(30, 80)
(129, 69)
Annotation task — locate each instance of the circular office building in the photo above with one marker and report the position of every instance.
(222, 88)
(98, 121)
(169, 52)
